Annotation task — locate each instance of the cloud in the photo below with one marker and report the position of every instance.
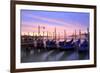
(49, 20)
(49, 24)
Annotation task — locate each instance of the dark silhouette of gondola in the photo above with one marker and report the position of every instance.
(76, 44)
(27, 44)
(81, 47)
(84, 46)
(66, 45)
(51, 44)
(40, 44)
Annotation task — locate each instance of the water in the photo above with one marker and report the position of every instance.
(52, 55)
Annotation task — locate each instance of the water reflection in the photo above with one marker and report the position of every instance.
(52, 55)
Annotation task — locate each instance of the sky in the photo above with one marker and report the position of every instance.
(68, 21)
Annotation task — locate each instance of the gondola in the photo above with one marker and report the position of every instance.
(40, 44)
(66, 45)
(84, 46)
(27, 45)
(51, 44)
(77, 43)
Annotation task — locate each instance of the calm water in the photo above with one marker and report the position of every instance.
(52, 55)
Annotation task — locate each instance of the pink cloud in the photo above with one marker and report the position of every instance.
(69, 27)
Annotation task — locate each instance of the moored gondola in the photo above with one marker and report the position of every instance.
(40, 44)
(51, 44)
(66, 45)
(84, 46)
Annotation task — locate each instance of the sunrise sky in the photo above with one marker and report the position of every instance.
(69, 21)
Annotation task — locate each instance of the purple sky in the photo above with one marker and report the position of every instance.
(69, 21)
